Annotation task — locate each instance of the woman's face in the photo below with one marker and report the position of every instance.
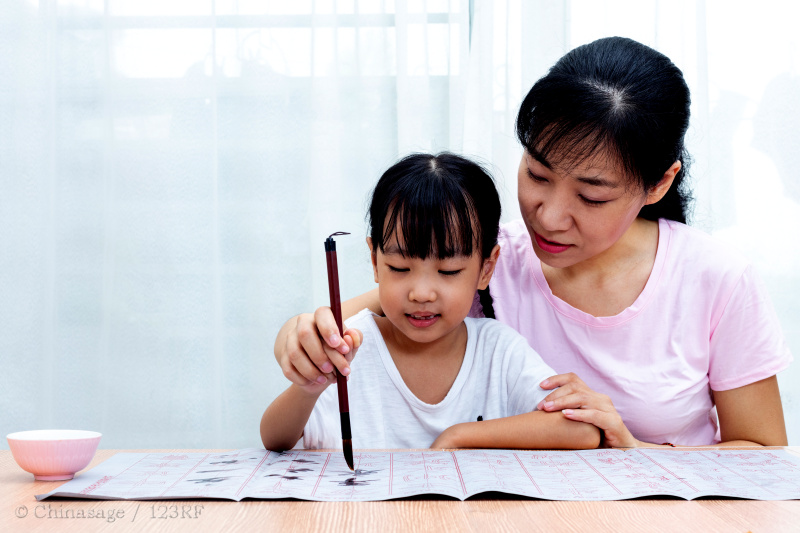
(574, 213)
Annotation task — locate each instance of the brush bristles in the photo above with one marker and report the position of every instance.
(347, 447)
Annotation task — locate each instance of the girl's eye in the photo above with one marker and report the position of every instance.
(395, 269)
(449, 272)
(587, 201)
(534, 177)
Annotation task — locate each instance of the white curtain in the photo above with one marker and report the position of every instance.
(170, 169)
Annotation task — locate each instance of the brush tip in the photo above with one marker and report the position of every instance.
(347, 448)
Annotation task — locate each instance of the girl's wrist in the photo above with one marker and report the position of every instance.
(313, 394)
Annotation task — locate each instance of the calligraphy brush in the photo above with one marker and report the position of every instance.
(341, 381)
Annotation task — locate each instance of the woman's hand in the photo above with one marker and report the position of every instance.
(309, 347)
(578, 402)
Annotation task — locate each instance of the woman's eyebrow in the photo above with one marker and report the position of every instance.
(540, 158)
(598, 181)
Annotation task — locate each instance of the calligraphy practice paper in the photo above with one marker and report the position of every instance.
(608, 474)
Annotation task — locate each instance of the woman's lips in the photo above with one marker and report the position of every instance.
(422, 320)
(549, 246)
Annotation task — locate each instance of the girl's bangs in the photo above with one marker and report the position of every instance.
(423, 229)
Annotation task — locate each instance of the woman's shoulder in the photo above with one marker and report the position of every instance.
(515, 243)
(692, 250)
(513, 232)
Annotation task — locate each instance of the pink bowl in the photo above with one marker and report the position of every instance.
(53, 454)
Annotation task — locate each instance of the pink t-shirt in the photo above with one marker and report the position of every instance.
(703, 322)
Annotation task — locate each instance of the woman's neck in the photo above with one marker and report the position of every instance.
(611, 281)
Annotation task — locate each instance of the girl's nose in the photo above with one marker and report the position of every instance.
(422, 292)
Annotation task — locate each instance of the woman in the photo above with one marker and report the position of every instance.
(668, 336)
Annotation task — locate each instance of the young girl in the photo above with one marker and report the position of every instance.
(426, 375)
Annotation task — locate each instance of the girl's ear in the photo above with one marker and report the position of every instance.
(488, 267)
(374, 257)
(663, 186)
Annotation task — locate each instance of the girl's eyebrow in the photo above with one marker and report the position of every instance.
(392, 249)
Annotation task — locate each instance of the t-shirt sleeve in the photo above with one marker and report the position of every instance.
(747, 344)
(323, 428)
(525, 372)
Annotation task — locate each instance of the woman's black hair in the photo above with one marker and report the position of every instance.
(442, 205)
(619, 96)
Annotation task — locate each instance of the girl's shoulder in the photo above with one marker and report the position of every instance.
(489, 331)
(360, 319)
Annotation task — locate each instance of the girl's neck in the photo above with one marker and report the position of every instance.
(428, 369)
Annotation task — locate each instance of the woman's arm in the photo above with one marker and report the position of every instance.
(283, 422)
(534, 430)
(299, 347)
(752, 415)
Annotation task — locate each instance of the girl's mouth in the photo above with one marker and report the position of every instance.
(550, 247)
(422, 320)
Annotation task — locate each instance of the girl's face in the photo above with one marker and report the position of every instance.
(427, 299)
(577, 214)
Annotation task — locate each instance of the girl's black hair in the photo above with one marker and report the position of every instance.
(442, 205)
(619, 96)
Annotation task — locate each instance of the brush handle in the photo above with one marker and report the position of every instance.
(336, 307)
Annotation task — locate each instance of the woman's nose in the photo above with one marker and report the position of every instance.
(553, 214)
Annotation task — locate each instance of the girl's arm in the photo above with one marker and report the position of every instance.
(283, 422)
(308, 346)
(534, 430)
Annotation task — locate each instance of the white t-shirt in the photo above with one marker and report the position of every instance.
(703, 322)
(499, 377)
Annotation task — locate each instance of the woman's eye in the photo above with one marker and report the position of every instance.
(587, 201)
(396, 269)
(449, 272)
(536, 178)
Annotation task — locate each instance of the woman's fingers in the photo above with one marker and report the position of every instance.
(562, 391)
(559, 380)
(568, 399)
(580, 403)
(596, 417)
(615, 433)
